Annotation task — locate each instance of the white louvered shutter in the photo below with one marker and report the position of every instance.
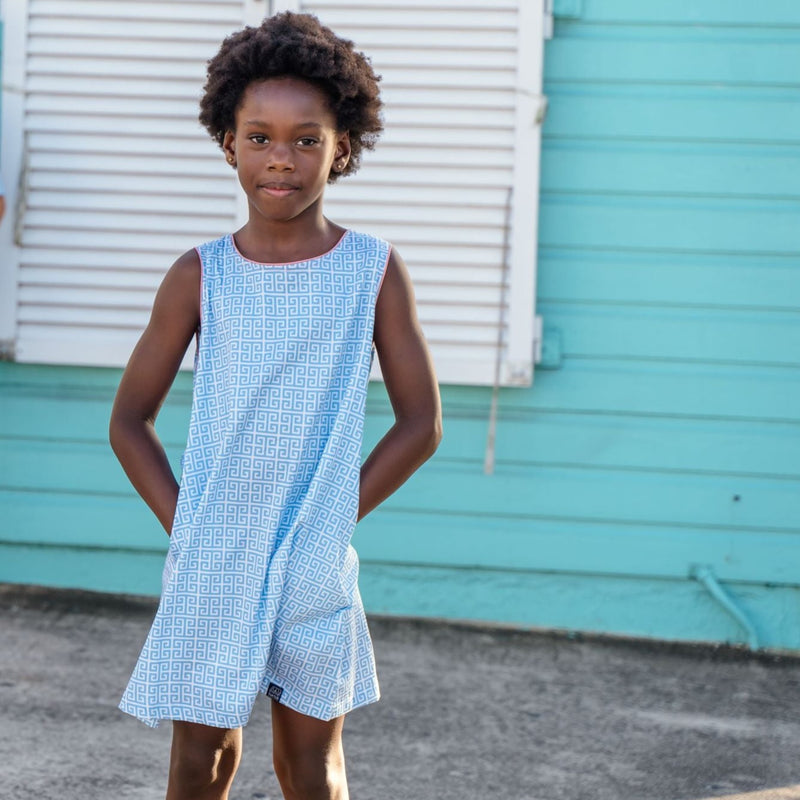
(453, 183)
(120, 178)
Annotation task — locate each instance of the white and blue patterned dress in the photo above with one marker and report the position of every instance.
(259, 589)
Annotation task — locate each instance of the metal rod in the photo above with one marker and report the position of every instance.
(488, 461)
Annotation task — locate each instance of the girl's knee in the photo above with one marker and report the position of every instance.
(193, 768)
(312, 775)
(202, 760)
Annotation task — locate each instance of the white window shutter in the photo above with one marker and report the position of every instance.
(121, 178)
(454, 180)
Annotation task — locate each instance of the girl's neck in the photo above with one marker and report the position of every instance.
(271, 242)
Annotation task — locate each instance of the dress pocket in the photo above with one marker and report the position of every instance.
(169, 568)
(348, 575)
(313, 583)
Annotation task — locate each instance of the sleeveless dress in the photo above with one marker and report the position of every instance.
(259, 587)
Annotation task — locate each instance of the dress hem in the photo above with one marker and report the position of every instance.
(302, 706)
(190, 714)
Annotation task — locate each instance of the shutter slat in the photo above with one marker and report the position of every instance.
(144, 125)
(423, 214)
(373, 39)
(115, 12)
(448, 21)
(107, 316)
(78, 67)
(441, 58)
(401, 96)
(64, 304)
(156, 167)
(452, 116)
(124, 47)
(481, 5)
(84, 264)
(466, 158)
(83, 202)
(84, 106)
(140, 28)
(172, 190)
(101, 86)
(58, 240)
(176, 147)
(420, 190)
(382, 174)
(106, 276)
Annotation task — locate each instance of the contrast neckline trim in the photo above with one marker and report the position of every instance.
(232, 242)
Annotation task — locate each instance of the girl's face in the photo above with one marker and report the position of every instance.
(284, 147)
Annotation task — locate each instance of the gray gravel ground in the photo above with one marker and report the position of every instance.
(467, 712)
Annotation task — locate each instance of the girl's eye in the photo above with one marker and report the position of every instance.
(307, 141)
(258, 138)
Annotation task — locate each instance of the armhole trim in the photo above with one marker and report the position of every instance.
(383, 273)
(200, 314)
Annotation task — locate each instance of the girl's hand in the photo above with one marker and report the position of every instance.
(411, 384)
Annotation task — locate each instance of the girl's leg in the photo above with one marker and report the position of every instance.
(308, 755)
(203, 761)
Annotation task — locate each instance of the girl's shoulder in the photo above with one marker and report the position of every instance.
(363, 241)
(212, 245)
(364, 236)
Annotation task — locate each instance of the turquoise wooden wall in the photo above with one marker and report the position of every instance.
(662, 432)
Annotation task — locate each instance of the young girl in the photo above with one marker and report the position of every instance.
(259, 589)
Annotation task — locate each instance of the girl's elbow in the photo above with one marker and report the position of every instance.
(112, 428)
(116, 432)
(122, 426)
(434, 436)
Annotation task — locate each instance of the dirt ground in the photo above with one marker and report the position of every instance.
(466, 712)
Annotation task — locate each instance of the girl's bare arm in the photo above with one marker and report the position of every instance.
(145, 383)
(412, 388)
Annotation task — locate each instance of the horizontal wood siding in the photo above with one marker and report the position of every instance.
(665, 433)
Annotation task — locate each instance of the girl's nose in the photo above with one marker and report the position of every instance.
(280, 159)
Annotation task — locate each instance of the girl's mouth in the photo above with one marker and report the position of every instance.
(278, 189)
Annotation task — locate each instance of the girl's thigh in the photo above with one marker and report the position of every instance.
(204, 738)
(296, 734)
(308, 755)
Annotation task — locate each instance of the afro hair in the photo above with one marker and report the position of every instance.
(299, 46)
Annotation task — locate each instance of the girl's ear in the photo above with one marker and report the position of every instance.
(342, 154)
(229, 149)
